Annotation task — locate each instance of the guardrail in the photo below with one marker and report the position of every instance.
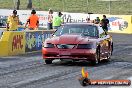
(21, 42)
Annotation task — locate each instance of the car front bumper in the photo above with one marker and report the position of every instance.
(74, 54)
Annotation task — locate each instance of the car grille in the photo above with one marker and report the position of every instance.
(85, 46)
(66, 46)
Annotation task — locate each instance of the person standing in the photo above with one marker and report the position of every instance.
(57, 21)
(105, 23)
(50, 19)
(88, 20)
(33, 21)
(12, 22)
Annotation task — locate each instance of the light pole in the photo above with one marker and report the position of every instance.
(13, 4)
(29, 6)
(87, 6)
(18, 4)
(63, 1)
(109, 6)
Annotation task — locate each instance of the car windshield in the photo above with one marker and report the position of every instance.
(84, 30)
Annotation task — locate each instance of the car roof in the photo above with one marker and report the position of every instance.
(91, 24)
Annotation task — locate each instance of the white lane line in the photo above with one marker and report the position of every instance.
(130, 78)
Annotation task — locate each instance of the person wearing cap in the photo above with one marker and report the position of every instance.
(57, 21)
(12, 21)
(33, 21)
(50, 19)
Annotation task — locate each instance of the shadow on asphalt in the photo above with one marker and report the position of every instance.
(23, 55)
(4, 59)
(18, 57)
(81, 63)
(31, 54)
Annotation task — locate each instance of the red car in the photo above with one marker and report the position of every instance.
(78, 41)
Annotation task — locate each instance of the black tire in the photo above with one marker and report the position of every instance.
(48, 61)
(97, 57)
(111, 48)
(108, 58)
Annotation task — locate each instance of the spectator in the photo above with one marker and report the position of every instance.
(12, 22)
(57, 20)
(50, 20)
(105, 23)
(97, 20)
(33, 21)
(88, 20)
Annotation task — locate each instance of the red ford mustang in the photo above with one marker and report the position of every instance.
(78, 41)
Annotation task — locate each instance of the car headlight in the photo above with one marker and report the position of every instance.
(85, 46)
(48, 45)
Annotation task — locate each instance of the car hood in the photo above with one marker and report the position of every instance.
(70, 39)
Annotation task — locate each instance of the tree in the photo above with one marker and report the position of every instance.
(29, 6)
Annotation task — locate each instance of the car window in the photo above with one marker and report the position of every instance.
(75, 30)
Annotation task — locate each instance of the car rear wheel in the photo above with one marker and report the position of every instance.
(48, 61)
(97, 58)
(109, 54)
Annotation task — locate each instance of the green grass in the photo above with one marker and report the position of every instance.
(94, 6)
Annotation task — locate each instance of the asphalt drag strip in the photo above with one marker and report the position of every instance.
(30, 70)
(65, 76)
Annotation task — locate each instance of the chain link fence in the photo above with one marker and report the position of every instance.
(83, 6)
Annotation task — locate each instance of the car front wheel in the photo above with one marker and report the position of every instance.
(48, 61)
(97, 58)
(109, 54)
